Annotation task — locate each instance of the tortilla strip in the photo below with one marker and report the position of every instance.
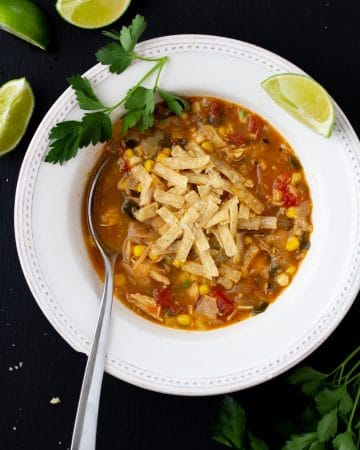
(167, 216)
(229, 272)
(208, 264)
(176, 201)
(164, 229)
(185, 246)
(192, 197)
(227, 241)
(244, 212)
(201, 242)
(173, 233)
(145, 181)
(219, 217)
(179, 152)
(203, 191)
(268, 222)
(233, 211)
(172, 177)
(209, 211)
(189, 217)
(175, 190)
(197, 178)
(252, 223)
(194, 268)
(249, 254)
(227, 170)
(146, 212)
(186, 163)
(249, 199)
(208, 133)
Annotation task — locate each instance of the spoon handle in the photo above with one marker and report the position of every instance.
(84, 434)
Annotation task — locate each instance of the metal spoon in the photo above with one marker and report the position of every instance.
(84, 434)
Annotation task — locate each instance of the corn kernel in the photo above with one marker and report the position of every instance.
(204, 289)
(119, 279)
(195, 107)
(183, 319)
(291, 269)
(176, 263)
(282, 279)
(166, 151)
(248, 240)
(139, 188)
(292, 244)
(184, 115)
(222, 131)
(122, 185)
(138, 250)
(149, 165)
(296, 178)
(160, 157)
(128, 153)
(291, 212)
(206, 146)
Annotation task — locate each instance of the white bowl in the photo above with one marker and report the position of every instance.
(57, 268)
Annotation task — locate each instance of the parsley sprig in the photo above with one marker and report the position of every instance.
(67, 137)
(330, 420)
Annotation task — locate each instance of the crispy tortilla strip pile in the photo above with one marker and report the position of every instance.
(182, 199)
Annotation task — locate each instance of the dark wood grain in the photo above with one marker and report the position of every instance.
(321, 37)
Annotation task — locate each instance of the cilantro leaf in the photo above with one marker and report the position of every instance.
(300, 441)
(65, 137)
(96, 128)
(141, 101)
(305, 374)
(129, 120)
(327, 426)
(328, 399)
(346, 403)
(112, 34)
(174, 103)
(84, 93)
(344, 441)
(230, 427)
(317, 445)
(256, 443)
(114, 56)
(130, 35)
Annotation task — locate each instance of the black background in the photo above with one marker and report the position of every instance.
(322, 37)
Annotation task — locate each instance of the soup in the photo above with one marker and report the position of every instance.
(210, 212)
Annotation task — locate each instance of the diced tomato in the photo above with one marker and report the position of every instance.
(288, 198)
(163, 297)
(214, 109)
(126, 166)
(255, 124)
(223, 301)
(236, 139)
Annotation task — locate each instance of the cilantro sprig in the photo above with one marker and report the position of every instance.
(67, 137)
(330, 420)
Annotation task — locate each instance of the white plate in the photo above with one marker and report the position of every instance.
(63, 282)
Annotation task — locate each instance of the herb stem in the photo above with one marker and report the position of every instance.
(142, 79)
(159, 73)
(144, 58)
(352, 370)
(354, 409)
(343, 364)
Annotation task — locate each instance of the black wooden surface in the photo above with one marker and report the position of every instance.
(320, 36)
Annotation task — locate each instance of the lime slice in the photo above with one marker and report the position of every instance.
(25, 20)
(91, 13)
(304, 99)
(16, 107)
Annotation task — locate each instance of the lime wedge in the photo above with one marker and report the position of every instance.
(303, 98)
(16, 107)
(91, 13)
(25, 20)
